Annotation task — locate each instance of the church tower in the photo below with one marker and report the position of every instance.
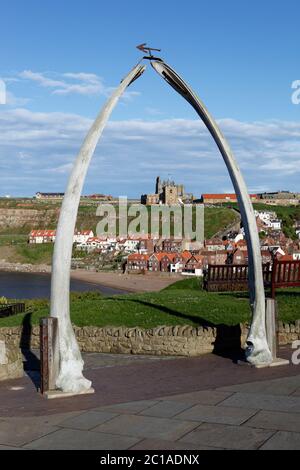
(158, 187)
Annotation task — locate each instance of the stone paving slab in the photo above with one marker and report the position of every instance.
(10, 448)
(283, 440)
(157, 444)
(216, 414)
(166, 409)
(51, 420)
(87, 420)
(84, 440)
(227, 437)
(282, 386)
(203, 397)
(275, 420)
(146, 426)
(131, 407)
(14, 433)
(264, 402)
(99, 360)
(158, 404)
(138, 381)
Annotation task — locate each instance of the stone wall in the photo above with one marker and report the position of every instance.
(163, 340)
(11, 365)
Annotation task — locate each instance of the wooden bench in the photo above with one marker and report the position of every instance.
(285, 274)
(6, 310)
(231, 277)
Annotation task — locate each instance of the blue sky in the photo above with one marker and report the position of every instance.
(61, 60)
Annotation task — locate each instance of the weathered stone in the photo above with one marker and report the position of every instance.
(11, 365)
(163, 340)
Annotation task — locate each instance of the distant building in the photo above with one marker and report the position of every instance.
(169, 245)
(82, 237)
(49, 195)
(48, 236)
(167, 192)
(223, 198)
(137, 262)
(42, 236)
(282, 198)
(150, 199)
(99, 197)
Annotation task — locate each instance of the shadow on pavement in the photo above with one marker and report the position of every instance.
(31, 361)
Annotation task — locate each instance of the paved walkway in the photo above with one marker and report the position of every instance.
(159, 403)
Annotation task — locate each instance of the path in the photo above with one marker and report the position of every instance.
(147, 403)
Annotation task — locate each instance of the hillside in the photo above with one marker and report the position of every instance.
(19, 217)
(288, 214)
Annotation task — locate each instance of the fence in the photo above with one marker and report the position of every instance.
(6, 310)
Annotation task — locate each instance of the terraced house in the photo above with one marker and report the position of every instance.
(137, 262)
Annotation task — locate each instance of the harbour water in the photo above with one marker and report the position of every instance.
(17, 285)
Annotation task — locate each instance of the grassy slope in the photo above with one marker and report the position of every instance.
(216, 219)
(183, 303)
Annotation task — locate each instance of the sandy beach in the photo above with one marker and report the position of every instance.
(128, 282)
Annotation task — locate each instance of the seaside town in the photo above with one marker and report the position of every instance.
(148, 254)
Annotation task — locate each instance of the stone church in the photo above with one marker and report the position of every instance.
(167, 192)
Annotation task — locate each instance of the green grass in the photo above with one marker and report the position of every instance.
(216, 219)
(13, 239)
(183, 303)
(35, 254)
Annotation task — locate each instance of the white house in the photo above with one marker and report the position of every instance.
(42, 236)
(275, 224)
(91, 244)
(131, 245)
(82, 237)
(269, 219)
(176, 267)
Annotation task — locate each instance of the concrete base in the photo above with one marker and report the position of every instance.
(52, 394)
(276, 362)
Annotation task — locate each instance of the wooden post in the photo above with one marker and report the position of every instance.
(49, 353)
(273, 278)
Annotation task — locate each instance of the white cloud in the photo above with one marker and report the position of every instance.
(76, 83)
(37, 151)
(81, 83)
(12, 100)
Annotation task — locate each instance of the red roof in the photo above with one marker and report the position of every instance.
(42, 233)
(160, 256)
(232, 197)
(84, 232)
(186, 254)
(138, 257)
